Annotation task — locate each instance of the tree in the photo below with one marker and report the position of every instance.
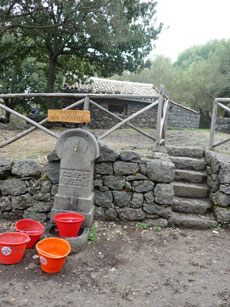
(81, 37)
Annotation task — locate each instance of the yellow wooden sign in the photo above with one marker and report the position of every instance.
(69, 116)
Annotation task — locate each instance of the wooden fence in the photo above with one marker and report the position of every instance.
(217, 103)
(161, 100)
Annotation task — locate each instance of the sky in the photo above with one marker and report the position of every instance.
(190, 22)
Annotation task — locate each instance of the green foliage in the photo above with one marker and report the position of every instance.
(141, 226)
(92, 237)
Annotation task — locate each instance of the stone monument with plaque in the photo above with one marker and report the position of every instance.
(77, 150)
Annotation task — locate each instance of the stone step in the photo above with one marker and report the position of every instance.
(190, 190)
(189, 163)
(191, 205)
(192, 152)
(190, 176)
(192, 221)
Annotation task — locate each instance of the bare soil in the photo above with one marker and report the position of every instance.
(126, 266)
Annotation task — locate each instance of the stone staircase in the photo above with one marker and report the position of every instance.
(191, 206)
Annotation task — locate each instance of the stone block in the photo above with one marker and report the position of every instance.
(131, 214)
(137, 200)
(104, 168)
(122, 198)
(26, 168)
(125, 168)
(5, 167)
(114, 182)
(103, 199)
(164, 194)
(130, 156)
(13, 187)
(142, 186)
(160, 171)
(107, 154)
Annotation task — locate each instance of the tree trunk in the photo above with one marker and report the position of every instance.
(51, 81)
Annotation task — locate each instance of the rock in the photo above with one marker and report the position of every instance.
(131, 214)
(21, 202)
(162, 211)
(142, 186)
(13, 187)
(114, 182)
(149, 197)
(54, 190)
(223, 200)
(41, 217)
(192, 152)
(137, 176)
(5, 203)
(107, 154)
(222, 215)
(41, 207)
(160, 171)
(137, 200)
(103, 199)
(5, 167)
(125, 168)
(42, 197)
(225, 188)
(32, 266)
(130, 156)
(111, 214)
(104, 168)
(26, 168)
(53, 171)
(46, 187)
(224, 174)
(164, 194)
(99, 212)
(52, 156)
(122, 199)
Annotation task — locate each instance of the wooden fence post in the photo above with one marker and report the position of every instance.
(159, 115)
(213, 124)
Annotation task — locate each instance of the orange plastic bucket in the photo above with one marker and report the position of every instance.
(69, 223)
(33, 228)
(52, 253)
(12, 246)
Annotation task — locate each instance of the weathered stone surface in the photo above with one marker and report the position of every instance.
(186, 205)
(161, 155)
(224, 174)
(142, 186)
(5, 203)
(213, 182)
(53, 171)
(104, 168)
(54, 190)
(52, 156)
(41, 207)
(41, 217)
(208, 170)
(13, 187)
(160, 171)
(98, 183)
(131, 214)
(122, 199)
(164, 194)
(189, 163)
(192, 152)
(158, 222)
(111, 214)
(21, 202)
(99, 213)
(143, 168)
(137, 200)
(5, 167)
(128, 186)
(114, 182)
(103, 199)
(42, 197)
(107, 154)
(190, 190)
(190, 176)
(162, 211)
(225, 188)
(130, 156)
(34, 186)
(149, 197)
(125, 168)
(137, 176)
(222, 199)
(191, 222)
(26, 168)
(46, 186)
(222, 215)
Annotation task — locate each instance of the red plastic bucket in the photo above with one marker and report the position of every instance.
(52, 253)
(33, 228)
(68, 224)
(12, 246)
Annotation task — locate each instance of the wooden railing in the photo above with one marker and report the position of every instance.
(217, 103)
(161, 100)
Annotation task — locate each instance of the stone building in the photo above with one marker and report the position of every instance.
(179, 116)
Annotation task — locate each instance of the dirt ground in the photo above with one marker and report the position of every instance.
(126, 266)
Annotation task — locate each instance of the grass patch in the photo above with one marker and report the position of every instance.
(92, 237)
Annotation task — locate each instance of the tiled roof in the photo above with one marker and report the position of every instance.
(104, 86)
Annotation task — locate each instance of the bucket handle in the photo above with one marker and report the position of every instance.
(28, 231)
(41, 251)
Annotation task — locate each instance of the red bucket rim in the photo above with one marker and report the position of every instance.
(27, 238)
(30, 232)
(74, 219)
